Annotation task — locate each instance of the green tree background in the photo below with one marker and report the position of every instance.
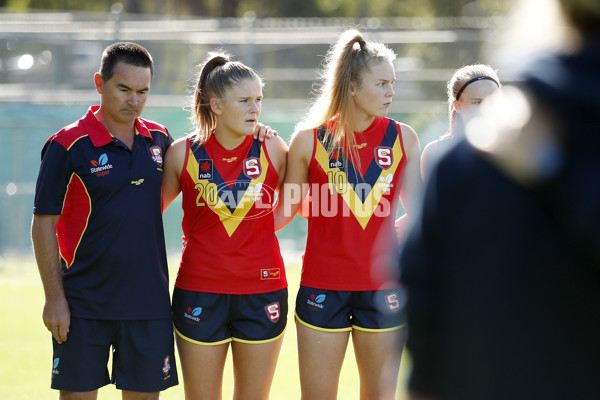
(277, 8)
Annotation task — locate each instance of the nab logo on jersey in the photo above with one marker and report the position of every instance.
(384, 157)
(205, 169)
(334, 160)
(273, 312)
(252, 168)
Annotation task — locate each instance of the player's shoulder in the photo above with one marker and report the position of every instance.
(303, 136)
(181, 144)
(275, 143)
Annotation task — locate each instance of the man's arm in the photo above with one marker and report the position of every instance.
(56, 314)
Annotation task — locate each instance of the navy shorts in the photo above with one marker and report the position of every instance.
(337, 311)
(143, 356)
(213, 318)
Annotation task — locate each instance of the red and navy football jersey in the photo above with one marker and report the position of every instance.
(110, 231)
(351, 234)
(229, 244)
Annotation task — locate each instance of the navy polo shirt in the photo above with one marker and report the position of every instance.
(110, 231)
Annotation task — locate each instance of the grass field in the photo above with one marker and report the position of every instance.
(26, 349)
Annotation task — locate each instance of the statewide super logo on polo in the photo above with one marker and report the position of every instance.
(101, 166)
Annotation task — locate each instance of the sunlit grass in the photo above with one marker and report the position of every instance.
(26, 349)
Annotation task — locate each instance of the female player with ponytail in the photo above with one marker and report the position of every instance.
(467, 89)
(231, 286)
(357, 164)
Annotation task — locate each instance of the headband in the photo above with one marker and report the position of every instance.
(479, 78)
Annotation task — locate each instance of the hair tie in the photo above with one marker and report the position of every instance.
(479, 78)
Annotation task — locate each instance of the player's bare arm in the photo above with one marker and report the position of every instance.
(278, 152)
(295, 185)
(411, 179)
(174, 160)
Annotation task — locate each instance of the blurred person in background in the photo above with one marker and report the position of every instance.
(231, 288)
(467, 89)
(502, 265)
(358, 164)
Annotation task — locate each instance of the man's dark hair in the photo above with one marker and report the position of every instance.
(126, 52)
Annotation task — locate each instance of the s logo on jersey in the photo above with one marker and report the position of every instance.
(384, 157)
(252, 168)
(273, 312)
(156, 153)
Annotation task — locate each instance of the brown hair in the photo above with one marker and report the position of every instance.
(217, 74)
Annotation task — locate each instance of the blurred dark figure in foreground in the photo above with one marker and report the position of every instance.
(502, 265)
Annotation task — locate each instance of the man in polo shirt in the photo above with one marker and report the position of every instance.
(99, 243)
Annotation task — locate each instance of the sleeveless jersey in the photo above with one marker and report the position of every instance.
(229, 243)
(352, 241)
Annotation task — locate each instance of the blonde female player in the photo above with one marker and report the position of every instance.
(231, 285)
(467, 89)
(357, 164)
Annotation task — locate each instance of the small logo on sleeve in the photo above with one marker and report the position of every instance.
(156, 153)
